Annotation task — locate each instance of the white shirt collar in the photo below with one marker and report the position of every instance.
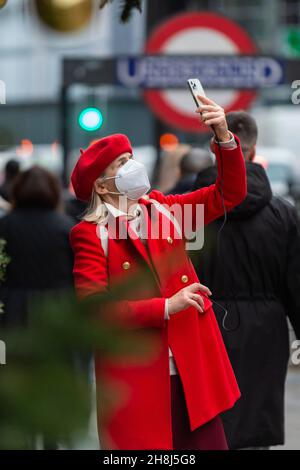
(115, 212)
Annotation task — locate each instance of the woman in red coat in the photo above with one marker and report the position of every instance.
(171, 398)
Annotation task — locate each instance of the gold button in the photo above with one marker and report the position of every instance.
(126, 265)
(184, 279)
(170, 240)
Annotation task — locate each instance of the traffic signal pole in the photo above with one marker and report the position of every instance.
(64, 133)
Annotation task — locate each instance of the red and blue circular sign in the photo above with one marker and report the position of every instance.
(198, 33)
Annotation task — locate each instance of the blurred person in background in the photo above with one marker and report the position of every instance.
(72, 206)
(37, 236)
(255, 275)
(11, 171)
(179, 168)
(169, 167)
(196, 160)
(36, 232)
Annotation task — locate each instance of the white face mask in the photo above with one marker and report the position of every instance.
(131, 180)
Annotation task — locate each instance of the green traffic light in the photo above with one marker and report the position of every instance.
(90, 119)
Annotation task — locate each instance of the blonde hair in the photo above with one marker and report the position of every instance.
(96, 212)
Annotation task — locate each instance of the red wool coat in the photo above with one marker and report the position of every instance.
(142, 414)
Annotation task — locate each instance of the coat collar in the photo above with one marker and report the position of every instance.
(115, 212)
(120, 229)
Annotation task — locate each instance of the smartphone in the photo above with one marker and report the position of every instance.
(196, 89)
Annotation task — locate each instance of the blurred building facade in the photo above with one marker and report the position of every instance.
(31, 57)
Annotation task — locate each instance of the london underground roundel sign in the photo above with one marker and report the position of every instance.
(200, 34)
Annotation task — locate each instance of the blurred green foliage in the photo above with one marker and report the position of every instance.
(45, 387)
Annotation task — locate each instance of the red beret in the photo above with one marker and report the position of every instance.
(93, 161)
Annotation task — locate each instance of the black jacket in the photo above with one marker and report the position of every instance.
(41, 259)
(255, 274)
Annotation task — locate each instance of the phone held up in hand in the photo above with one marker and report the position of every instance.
(196, 89)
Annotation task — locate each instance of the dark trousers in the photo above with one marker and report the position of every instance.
(210, 436)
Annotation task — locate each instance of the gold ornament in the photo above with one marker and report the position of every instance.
(3, 3)
(64, 15)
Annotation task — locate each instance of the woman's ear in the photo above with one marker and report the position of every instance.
(100, 187)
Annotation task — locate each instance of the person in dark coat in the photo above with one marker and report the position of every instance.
(72, 206)
(254, 273)
(37, 234)
(41, 259)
